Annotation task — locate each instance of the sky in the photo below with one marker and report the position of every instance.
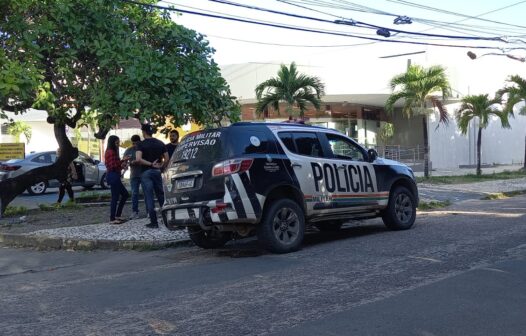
(352, 65)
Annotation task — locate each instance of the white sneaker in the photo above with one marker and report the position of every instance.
(135, 215)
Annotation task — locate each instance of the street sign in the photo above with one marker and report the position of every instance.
(10, 151)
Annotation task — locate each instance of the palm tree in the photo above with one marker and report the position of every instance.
(516, 92)
(291, 87)
(481, 107)
(17, 128)
(417, 87)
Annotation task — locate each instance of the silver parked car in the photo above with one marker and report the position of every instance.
(90, 172)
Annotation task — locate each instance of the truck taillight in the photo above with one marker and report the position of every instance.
(231, 167)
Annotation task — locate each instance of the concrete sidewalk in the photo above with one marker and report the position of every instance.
(466, 171)
(134, 235)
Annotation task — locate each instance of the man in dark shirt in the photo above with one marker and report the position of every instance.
(152, 155)
(174, 141)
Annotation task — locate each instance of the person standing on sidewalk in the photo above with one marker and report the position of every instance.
(135, 175)
(114, 166)
(153, 157)
(174, 141)
(65, 183)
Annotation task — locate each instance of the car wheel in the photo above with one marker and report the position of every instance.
(37, 188)
(208, 239)
(400, 213)
(103, 183)
(329, 226)
(282, 227)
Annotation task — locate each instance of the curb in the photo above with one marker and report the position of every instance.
(52, 243)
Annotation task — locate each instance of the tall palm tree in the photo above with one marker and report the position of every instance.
(481, 107)
(516, 91)
(291, 87)
(418, 86)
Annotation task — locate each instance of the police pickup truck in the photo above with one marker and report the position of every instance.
(277, 179)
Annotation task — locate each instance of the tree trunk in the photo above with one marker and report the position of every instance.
(13, 187)
(479, 144)
(524, 162)
(426, 146)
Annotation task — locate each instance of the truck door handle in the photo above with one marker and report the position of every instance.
(295, 165)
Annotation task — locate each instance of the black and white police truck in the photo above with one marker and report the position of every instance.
(277, 179)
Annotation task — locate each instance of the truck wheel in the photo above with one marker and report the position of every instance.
(282, 227)
(208, 239)
(400, 213)
(329, 226)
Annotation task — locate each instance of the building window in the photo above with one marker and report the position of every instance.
(328, 108)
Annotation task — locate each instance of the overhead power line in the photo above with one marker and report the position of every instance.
(434, 9)
(358, 23)
(308, 30)
(291, 45)
(350, 6)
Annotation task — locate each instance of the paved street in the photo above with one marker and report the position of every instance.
(460, 271)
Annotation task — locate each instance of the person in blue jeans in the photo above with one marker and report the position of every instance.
(153, 157)
(135, 175)
(114, 166)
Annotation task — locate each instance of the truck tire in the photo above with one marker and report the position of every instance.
(208, 239)
(400, 213)
(282, 227)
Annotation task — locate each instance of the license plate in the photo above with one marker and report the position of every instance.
(185, 183)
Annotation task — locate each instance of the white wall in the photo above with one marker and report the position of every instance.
(449, 148)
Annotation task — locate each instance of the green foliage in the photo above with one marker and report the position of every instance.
(386, 132)
(516, 92)
(58, 206)
(481, 107)
(503, 195)
(291, 87)
(15, 211)
(16, 128)
(417, 86)
(93, 196)
(423, 205)
(120, 59)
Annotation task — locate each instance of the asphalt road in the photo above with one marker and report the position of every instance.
(459, 271)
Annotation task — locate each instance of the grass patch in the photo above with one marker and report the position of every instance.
(433, 205)
(503, 195)
(59, 206)
(15, 211)
(86, 197)
(472, 178)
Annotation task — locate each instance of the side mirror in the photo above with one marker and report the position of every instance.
(373, 154)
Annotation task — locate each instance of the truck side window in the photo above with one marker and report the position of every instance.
(343, 148)
(287, 140)
(307, 144)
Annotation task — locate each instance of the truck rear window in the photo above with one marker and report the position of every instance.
(199, 147)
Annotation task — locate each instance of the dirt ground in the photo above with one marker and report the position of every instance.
(34, 220)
